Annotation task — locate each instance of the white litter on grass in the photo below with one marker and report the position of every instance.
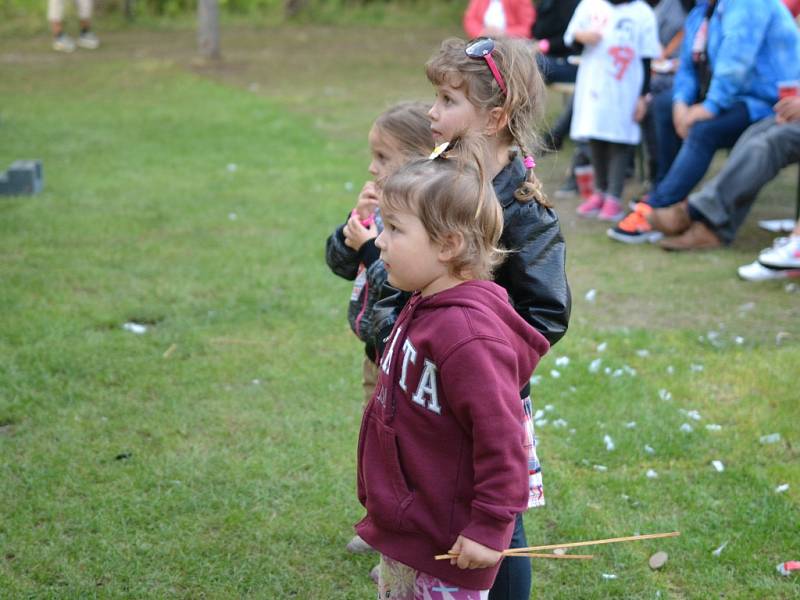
(136, 328)
(692, 414)
(643, 353)
(670, 370)
(601, 468)
(695, 368)
(256, 382)
(555, 374)
(630, 425)
(608, 576)
(560, 551)
(664, 395)
(649, 449)
(232, 216)
(601, 347)
(607, 370)
(538, 415)
(629, 370)
(772, 438)
(536, 379)
(540, 422)
(739, 340)
(717, 464)
(559, 423)
(609, 443)
(231, 167)
(747, 306)
(782, 488)
(790, 288)
(594, 366)
(780, 336)
(714, 427)
(562, 361)
(348, 186)
(618, 373)
(549, 407)
(651, 474)
(686, 428)
(719, 550)
(591, 295)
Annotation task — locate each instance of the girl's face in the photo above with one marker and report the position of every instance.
(452, 115)
(386, 154)
(412, 260)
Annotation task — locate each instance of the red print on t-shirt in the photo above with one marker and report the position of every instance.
(622, 55)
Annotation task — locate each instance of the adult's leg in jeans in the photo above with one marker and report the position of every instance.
(759, 155)
(619, 156)
(696, 153)
(600, 154)
(513, 580)
(556, 70)
(667, 141)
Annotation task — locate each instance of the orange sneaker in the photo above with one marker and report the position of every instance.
(634, 228)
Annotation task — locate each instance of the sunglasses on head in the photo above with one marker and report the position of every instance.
(482, 48)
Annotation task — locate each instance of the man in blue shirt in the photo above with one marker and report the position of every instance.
(733, 55)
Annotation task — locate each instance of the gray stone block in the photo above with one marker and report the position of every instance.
(23, 178)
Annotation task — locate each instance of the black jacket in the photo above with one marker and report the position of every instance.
(552, 18)
(365, 268)
(533, 274)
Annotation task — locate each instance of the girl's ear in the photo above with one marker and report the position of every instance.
(497, 121)
(451, 246)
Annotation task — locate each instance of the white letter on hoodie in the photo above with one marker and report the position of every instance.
(387, 360)
(427, 386)
(409, 353)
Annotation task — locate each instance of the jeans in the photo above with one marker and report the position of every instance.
(556, 69)
(759, 155)
(513, 580)
(696, 153)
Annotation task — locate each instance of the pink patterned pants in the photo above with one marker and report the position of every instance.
(400, 582)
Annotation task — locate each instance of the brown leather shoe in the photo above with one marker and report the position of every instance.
(697, 237)
(672, 220)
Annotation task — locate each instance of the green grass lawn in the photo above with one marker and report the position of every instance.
(213, 456)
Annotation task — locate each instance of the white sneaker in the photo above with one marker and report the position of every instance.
(63, 43)
(88, 40)
(784, 254)
(755, 271)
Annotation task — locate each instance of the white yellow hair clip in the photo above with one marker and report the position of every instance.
(439, 150)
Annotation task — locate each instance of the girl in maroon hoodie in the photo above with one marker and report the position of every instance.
(442, 462)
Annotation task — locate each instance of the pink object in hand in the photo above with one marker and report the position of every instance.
(365, 222)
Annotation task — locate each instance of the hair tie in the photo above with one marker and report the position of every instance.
(529, 162)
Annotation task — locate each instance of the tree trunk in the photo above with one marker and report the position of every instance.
(208, 29)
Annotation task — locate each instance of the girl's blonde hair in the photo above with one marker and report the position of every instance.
(451, 194)
(523, 105)
(408, 124)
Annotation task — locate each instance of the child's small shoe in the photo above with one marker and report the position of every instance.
(592, 206)
(358, 546)
(611, 210)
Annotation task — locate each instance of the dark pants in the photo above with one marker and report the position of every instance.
(513, 580)
(610, 162)
(697, 151)
(556, 70)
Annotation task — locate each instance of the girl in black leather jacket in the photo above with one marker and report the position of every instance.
(493, 88)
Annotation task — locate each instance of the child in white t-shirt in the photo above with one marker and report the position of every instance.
(619, 38)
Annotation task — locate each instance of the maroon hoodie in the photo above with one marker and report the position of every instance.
(440, 452)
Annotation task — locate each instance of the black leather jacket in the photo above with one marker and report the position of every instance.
(533, 274)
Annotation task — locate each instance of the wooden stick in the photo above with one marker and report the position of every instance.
(528, 554)
(631, 538)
